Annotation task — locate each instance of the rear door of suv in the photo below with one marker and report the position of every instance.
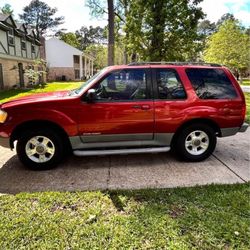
(170, 98)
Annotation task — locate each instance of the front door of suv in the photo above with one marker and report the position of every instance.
(123, 109)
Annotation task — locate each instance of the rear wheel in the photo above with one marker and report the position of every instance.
(195, 142)
(40, 149)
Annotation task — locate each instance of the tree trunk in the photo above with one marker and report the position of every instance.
(126, 35)
(111, 37)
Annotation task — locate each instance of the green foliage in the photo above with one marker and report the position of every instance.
(92, 35)
(211, 217)
(163, 30)
(247, 96)
(224, 18)
(7, 9)
(84, 37)
(40, 17)
(70, 38)
(100, 52)
(229, 46)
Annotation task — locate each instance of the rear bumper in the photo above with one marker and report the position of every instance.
(5, 142)
(244, 127)
(232, 131)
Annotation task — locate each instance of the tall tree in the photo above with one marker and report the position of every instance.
(111, 32)
(115, 11)
(163, 30)
(40, 16)
(229, 46)
(225, 17)
(7, 9)
(91, 35)
(69, 38)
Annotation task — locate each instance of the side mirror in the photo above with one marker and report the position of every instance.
(91, 95)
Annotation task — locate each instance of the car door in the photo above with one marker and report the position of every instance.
(170, 100)
(123, 109)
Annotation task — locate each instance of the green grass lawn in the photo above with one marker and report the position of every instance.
(210, 217)
(246, 82)
(247, 96)
(54, 86)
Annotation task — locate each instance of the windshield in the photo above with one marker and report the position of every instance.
(86, 84)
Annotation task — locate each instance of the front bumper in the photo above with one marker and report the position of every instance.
(5, 142)
(244, 127)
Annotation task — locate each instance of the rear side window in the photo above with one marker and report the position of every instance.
(211, 84)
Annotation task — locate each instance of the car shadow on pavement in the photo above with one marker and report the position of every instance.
(113, 172)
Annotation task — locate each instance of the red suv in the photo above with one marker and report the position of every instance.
(135, 108)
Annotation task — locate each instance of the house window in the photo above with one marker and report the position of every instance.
(33, 50)
(11, 40)
(23, 44)
(77, 74)
(76, 59)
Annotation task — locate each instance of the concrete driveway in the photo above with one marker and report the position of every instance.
(230, 163)
(245, 88)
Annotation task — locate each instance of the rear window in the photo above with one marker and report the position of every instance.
(211, 84)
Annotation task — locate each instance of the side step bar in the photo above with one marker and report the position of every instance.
(120, 151)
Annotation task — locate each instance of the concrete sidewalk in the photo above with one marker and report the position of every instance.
(245, 88)
(230, 163)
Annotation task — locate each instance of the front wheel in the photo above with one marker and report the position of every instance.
(40, 149)
(195, 142)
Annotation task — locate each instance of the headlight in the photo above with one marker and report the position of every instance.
(3, 116)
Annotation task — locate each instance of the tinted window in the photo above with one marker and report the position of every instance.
(169, 85)
(211, 84)
(123, 85)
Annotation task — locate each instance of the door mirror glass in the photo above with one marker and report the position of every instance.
(91, 96)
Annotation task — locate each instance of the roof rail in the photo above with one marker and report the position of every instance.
(174, 63)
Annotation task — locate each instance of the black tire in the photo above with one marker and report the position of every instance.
(180, 148)
(57, 145)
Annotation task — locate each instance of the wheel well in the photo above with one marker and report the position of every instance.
(38, 124)
(205, 121)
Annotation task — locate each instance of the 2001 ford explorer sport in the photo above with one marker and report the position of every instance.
(135, 108)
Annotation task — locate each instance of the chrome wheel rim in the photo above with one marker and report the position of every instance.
(40, 149)
(197, 142)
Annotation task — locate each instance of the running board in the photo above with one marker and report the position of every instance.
(120, 151)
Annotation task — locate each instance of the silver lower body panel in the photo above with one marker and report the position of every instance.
(159, 139)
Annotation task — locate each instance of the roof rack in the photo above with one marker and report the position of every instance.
(174, 63)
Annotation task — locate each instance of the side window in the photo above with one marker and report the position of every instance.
(128, 84)
(169, 85)
(211, 84)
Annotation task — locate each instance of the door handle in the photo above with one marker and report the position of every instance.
(136, 107)
(145, 107)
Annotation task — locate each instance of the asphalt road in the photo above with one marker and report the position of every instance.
(230, 163)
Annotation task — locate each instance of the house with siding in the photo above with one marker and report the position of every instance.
(66, 62)
(19, 47)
